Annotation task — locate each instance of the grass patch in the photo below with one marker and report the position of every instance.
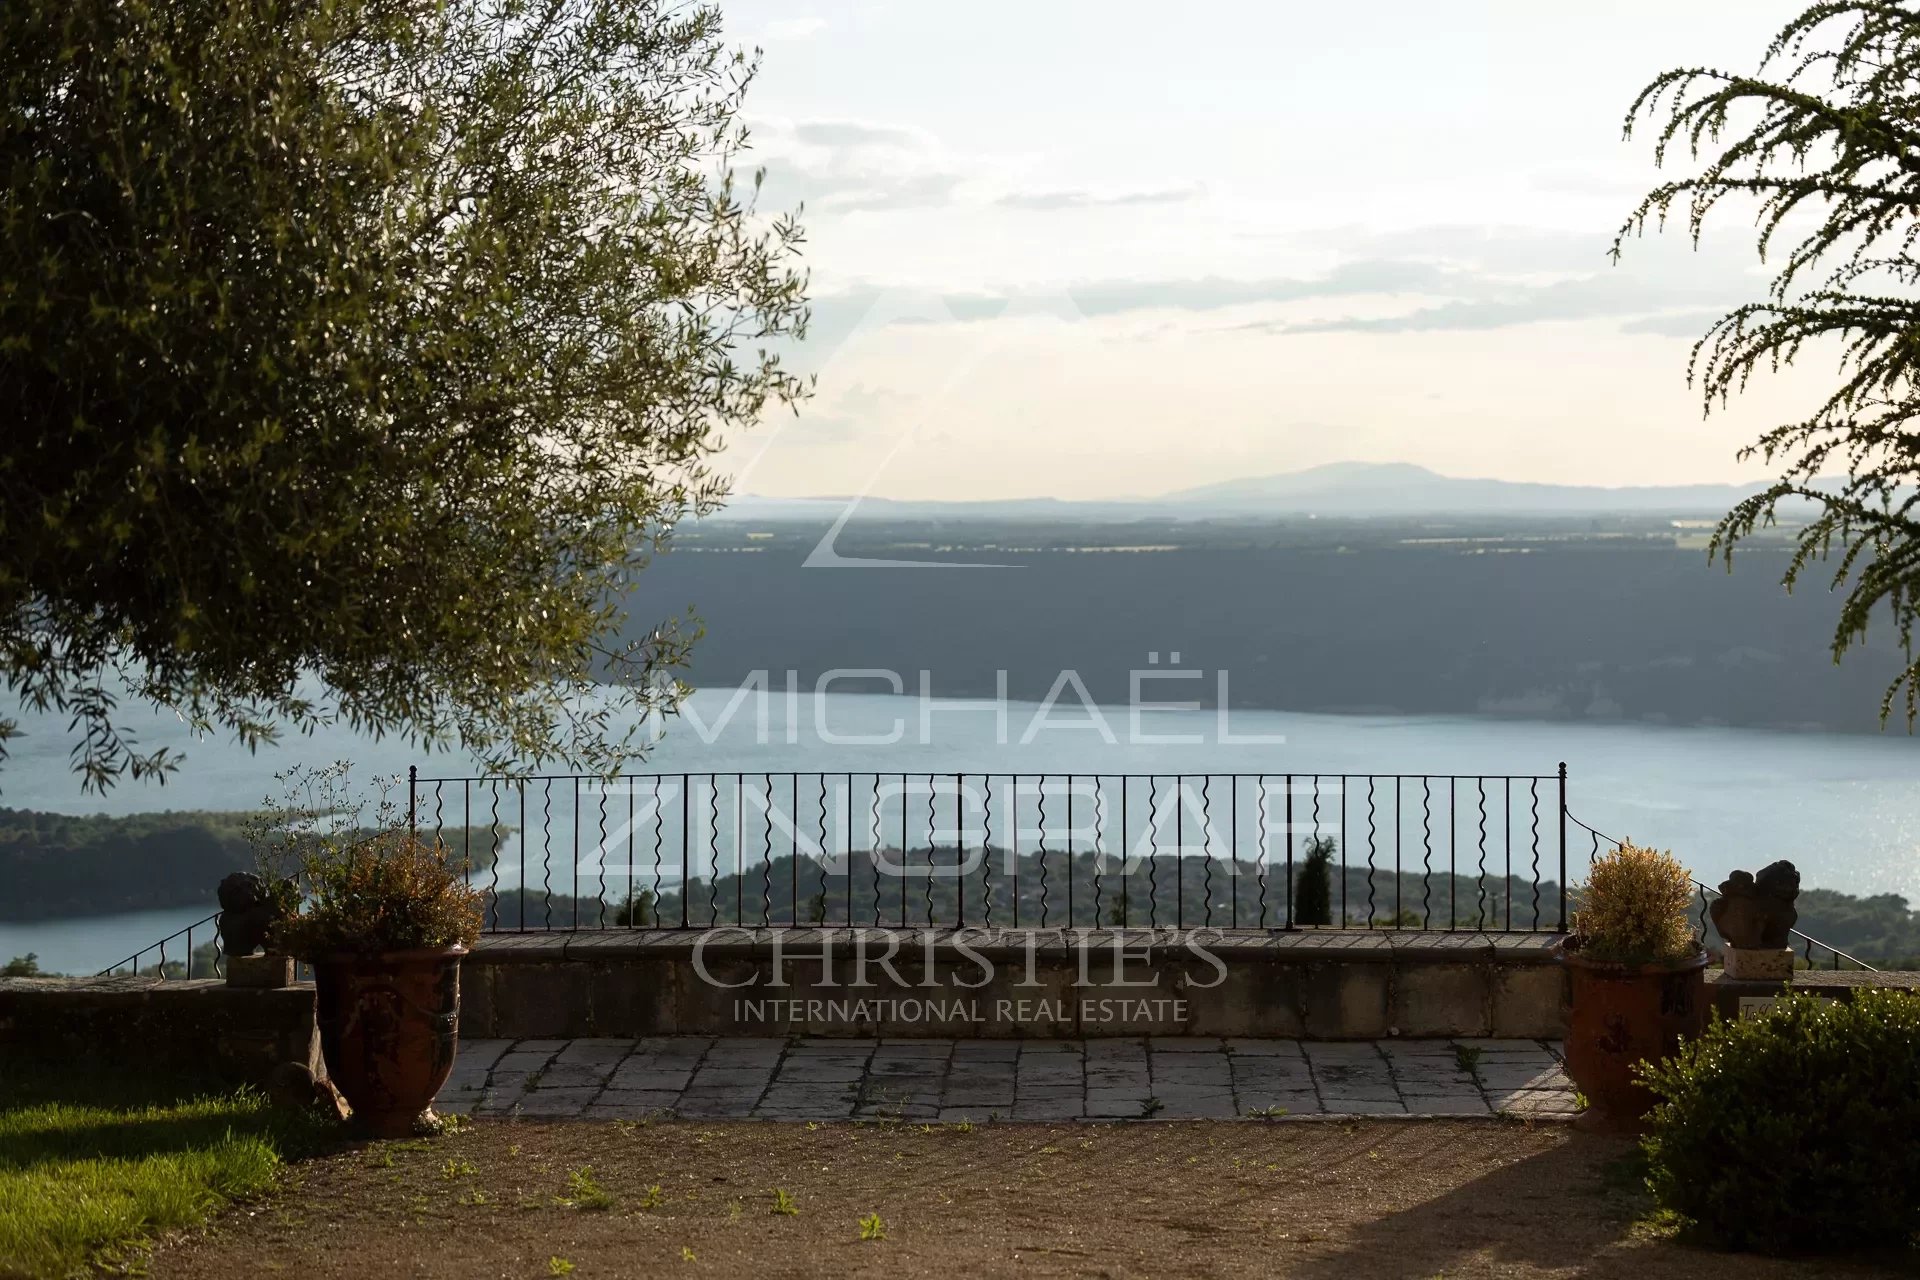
(90, 1165)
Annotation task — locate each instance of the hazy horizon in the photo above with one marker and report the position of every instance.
(1343, 466)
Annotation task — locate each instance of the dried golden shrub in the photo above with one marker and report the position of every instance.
(390, 892)
(1633, 908)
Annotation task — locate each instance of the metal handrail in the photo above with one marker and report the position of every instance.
(1809, 941)
(133, 961)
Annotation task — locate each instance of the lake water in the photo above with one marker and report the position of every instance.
(1845, 809)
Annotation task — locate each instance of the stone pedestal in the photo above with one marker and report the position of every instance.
(1750, 964)
(260, 972)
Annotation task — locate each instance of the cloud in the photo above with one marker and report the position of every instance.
(881, 192)
(1611, 294)
(793, 29)
(1046, 201)
(1674, 324)
(847, 166)
(851, 133)
(1212, 293)
(838, 314)
(1490, 247)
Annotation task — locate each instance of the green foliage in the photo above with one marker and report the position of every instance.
(1821, 138)
(585, 1192)
(58, 864)
(372, 343)
(90, 1165)
(26, 966)
(872, 1228)
(1881, 929)
(637, 910)
(1798, 1129)
(1313, 883)
(1236, 890)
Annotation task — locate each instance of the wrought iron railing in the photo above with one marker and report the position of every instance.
(1806, 944)
(693, 850)
(188, 964)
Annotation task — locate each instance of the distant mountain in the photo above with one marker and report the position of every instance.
(1400, 488)
(1350, 489)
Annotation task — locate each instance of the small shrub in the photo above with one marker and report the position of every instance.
(871, 1228)
(1313, 884)
(1633, 908)
(585, 1192)
(388, 892)
(1798, 1129)
(637, 910)
(783, 1204)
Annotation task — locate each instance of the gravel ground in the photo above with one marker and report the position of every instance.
(1332, 1199)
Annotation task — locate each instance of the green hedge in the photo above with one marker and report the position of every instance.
(1796, 1130)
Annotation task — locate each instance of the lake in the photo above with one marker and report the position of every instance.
(1844, 808)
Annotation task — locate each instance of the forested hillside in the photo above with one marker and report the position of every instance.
(1368, 616)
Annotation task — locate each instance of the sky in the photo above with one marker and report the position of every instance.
(1094, 250)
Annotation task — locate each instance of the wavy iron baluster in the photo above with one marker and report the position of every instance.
(600, 903)
(659, 819)
(986, 849)
(1371, 833)
(1099, 843)
(1153, 851)
(1265, 852)
(546, 854)
(1426, 857)
(1043, 851)
(1480, 884)
(1206, 844)
(873, 850)
(713, 848)
(493, 869)
(1533, 788)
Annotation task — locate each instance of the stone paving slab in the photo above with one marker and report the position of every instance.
(1157, 1078)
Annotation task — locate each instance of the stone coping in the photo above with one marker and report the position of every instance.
(131, 985)
(1387, 946)
(1828, 980)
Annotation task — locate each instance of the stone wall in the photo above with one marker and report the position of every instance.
(1316, 984)
(187, 1026)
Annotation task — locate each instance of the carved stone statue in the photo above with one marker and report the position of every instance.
(1756, 912)
(247, 911)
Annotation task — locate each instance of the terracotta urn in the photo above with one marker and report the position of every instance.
(389, 1029)
(1622, 1015)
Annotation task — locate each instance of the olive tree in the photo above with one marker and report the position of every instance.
(1822, 143)
(357, 353)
